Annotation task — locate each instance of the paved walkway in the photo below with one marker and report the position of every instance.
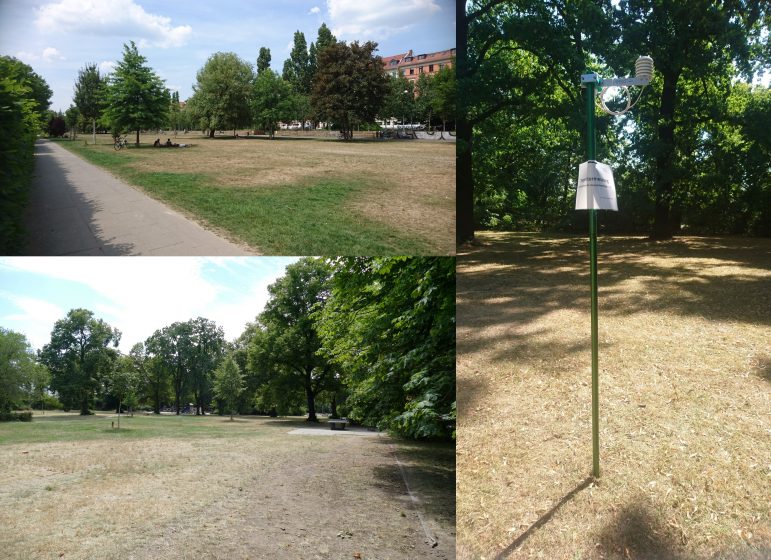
(76, 208)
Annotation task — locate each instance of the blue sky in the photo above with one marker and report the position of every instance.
(58, 37)
(136, 295)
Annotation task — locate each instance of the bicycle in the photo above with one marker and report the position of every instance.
(120, 142)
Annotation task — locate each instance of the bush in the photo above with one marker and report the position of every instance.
(25, 416)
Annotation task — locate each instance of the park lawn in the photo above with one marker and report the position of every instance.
(299, 195)
(182, 487)
(685, 399)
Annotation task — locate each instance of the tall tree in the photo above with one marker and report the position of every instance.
(271, 101)
(323, 40)
(207, 346)
(90, 91)
(263, 60)
(222, 92)
(136, 96)
(228, 384)
(350, 85)
(169, 349)
(123, 382)
(297, 69)
(693, 39)
(389, 325)
(17, 368)
(82, 349)
(288, 349)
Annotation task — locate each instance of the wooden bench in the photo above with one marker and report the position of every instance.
(335, 422)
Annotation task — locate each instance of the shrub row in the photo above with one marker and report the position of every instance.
(25, 416)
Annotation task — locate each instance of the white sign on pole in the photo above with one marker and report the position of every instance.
(596, 188)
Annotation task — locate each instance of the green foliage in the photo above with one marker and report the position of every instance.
(271, 101)
(72, 118)
(23, 98)
(25, 416)
(349, 87)
(263, 60)
(297, 68)
(285, 350)
(81, 351)
(389, 326)
(228, 384)
(90, 94)
(57, 126)
(221, 93)
(136, 96)
(18, 369)
(399, 101)
(682, 156)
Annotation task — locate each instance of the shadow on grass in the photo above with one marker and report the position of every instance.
(637, 532)
(543, 520)
(516, 278)
(763, 369)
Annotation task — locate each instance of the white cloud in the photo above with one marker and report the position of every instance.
(123, 18)
(107, 67)
(377, 19)
(35, 318)
(50, 54)
(314, 10)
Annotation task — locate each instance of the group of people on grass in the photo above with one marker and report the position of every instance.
(168, 144)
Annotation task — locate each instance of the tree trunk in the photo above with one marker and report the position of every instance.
(93, 130)
(665, 157)
(119, 403)
(137, 137)
(311, 397)
(211, 133)
(464, 190)
(334, 406)
(84, 411)
(157, 407)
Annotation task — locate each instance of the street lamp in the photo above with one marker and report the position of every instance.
(597, 191)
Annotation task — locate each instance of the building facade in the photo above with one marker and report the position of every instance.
(412, 66)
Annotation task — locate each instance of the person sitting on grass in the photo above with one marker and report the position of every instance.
(157, 143)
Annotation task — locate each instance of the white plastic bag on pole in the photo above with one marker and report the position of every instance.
(596, 188)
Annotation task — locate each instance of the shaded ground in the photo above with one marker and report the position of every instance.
(685, 399)
(211, 488)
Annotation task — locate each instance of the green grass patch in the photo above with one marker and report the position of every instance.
(44, 429)
(309, 219)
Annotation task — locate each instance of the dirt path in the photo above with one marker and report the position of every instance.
(76, 208)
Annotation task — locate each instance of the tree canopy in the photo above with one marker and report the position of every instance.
(90, 94)
(518, 78)
(222, 93)
(81, 351)
(136, 96)
(349, 86)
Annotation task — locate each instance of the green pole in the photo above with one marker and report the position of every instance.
(591, 153)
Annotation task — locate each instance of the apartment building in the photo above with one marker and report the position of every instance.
(411, 65)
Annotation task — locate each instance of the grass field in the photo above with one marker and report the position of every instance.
(203, 487)
(299, 195)
(685, 399)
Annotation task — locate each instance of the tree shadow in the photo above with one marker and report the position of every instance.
(430, 472)
(59, 219)
(541, 521)
(636, 532)
(763, 368)
(514, 279)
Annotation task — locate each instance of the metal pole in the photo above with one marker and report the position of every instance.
(591, 148)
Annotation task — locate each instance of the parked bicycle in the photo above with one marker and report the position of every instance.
(120, 142)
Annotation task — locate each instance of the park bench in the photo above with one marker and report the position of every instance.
(335, 422)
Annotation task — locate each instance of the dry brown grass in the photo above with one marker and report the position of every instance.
(258, 494)
(410, 184)
(685, 413)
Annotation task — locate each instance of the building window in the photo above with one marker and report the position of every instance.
(412, 71)
(420, 70)
(441, 65)
(394, 62)
(430, 67)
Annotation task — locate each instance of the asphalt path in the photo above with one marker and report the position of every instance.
(76, 208)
